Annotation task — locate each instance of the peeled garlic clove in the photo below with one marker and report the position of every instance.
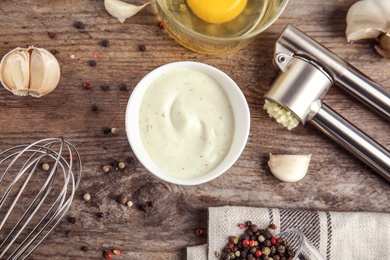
(46, 74)
(289, 168)
(15, 72)
(29, 71)
(368, 19)
(121, 10)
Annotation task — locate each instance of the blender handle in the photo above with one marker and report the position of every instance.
(353, 140)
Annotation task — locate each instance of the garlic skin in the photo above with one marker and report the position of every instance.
(369, 19)
(289, 168)
(29, 71)
(122, 10)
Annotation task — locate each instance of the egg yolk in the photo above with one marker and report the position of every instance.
(217, 11)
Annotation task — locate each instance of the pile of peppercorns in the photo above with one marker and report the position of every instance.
(257, 244)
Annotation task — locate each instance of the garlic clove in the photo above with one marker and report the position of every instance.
(46, 74)
(29, 71)
(289, 168)
(367, 19)
(14, 71)
(383, 48)
(122, 10)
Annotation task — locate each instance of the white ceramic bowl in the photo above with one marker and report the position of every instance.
(239, 107)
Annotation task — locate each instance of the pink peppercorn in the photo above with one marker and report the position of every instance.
(87, 85)
(245, 243)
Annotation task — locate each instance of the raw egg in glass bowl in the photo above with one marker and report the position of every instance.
(217, 11)
(217, 26)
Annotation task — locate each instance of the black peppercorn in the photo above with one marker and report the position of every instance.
(92, 63)
(254, 228)
(79, 25)
(105, 43)
(100, 214)
(72, 220)
(84, 248)
(122, 87)
(105, 87)
(142, 47)
(94, 108)
(106, 130)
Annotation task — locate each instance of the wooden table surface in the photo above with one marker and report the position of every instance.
(161, 223)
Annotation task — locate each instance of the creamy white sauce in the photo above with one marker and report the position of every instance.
(186, 123)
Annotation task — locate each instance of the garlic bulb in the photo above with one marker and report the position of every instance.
(121, 10)
(370, 19)
(29, 71)
(289, 168)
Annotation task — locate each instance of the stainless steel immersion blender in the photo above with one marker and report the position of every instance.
(308, 71)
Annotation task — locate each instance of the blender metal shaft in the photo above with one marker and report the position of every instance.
(352, 139)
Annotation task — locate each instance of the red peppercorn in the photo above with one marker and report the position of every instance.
(245, 243)
(199, 232)
(273, 240)
(87, 85)
(231, 246)
(252, 243)
(242, 226)
(258, 253)
(108, 255)
(160, 24)
(52, 35)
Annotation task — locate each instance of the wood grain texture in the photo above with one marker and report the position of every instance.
(335, 181)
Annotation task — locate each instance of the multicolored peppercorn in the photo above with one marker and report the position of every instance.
(256, 244)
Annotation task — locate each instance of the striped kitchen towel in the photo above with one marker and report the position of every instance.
(337, 235)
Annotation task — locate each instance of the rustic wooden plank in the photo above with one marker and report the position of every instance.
(336, 180)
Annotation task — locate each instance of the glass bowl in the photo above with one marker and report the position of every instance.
(218, 38)
(302, 247)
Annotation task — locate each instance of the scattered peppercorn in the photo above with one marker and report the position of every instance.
(100, 214)
(45, 167)
(121, 165)
(107, 255)
(95, 55)
(72, 56)
(142, 47)
(92, 63)
(84, 248)
(94, 108)
(54, 52)
(122, 199)
(117, 251)
(105, 87)
(152, 204)
(199, 231)
(87, 197)
(106, 130)
(256, 243)
(87, 85)
(52, 35)
(79, 25)
(106, 168)
(113, 130)
(105, 43)
(130, 160)
(72, 220)
(122, 87)
(160, 24)
(129, 203)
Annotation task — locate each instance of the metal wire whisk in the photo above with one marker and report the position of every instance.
(34, 199)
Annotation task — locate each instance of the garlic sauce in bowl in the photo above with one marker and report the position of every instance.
(187, 122)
